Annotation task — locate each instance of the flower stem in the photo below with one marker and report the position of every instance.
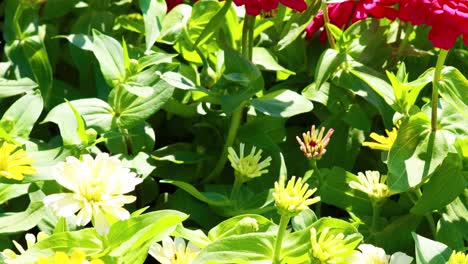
(435, 94)
(247, 36)
(316, 174)
(429, 218)
(326, 18)
(279, 238)
(375, 216)
(236, 188)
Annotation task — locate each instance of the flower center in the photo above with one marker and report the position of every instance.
(313, 144)
(248, 165)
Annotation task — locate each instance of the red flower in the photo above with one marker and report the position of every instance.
(173, 3)
(254, 7)
(341, 14)
(448, 18)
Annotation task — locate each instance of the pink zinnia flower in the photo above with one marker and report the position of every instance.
(341, 14)
(254, 7)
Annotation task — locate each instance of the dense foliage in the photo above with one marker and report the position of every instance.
(238, 131)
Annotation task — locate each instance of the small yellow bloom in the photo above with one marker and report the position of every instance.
(314, 143)
(372, 184)
(383, 143)
(77, 257)
(328, 248)
(9, 256)
(15, 162)
(248, 167)
(293, 198)
(458, 258)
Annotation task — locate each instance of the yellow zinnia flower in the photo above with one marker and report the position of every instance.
(15, 162)
(458, 258)
(77, 257)
(293, 197)
(250, 166)
(383, 143)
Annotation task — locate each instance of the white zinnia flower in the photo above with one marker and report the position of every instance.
(9, 256)
(374, 255)
(250, 166)
(373, 184)
(98, 187)
(174, 251)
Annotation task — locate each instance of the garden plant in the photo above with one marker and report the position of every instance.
(235, 131)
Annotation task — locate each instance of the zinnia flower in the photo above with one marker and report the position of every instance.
(383, 143)
(293, 198)
(98, 187)
(372, 184)
(254, 7)
(370, 254)
(314, 142)
(174, 251)
(458, 258)
(346, 12)
(9, 256)
(328, 248)
(248, 167)
(448, 18)
(15, 162)
(77, 257)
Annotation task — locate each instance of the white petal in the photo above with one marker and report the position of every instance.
(63, 204)
(400, 258)
(118, 212)
(100, 222)
(84, 216)
(156, 250)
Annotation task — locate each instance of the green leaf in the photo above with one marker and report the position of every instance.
(214, 23)
(179, 153)
(22, 115)
(44, 160)
(174, 22)
(254, 248)
(381, 87)
(131, 110)
(303, 220)
(127, 236)
(415, 154)
(429, 251)
(282, 103)
(453, 87)
(14, 87)
(109, 53)
(10, 191)
(153, 15)
(327, 64)
(444, 186)
(265, 61)
(238, 225)
(22, 221)
(399, 230)
(453, 224)
(211, 198)
(96, 113)
(154, 59)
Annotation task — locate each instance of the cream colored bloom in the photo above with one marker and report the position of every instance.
(174, 251)
(314, 143)
(383, 143)
(293, 198)
(10, 256)
(248, 167)
(458, 258)
(328, 248)
(77, 257)
(15, 162)
(370, 254)
(98, 187)
(372, 184)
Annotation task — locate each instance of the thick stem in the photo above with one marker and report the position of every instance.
(236, 188)
(247, 36)
(326, 18)
(429, 218)
(435, 93)
(375, 216)
(279, 239)
(251, 36)
(233, 127)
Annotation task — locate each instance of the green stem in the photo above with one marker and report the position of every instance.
(233, 127)
(429, 218)
(435, 94)
(279, 238)
(236, 188)
(326, 18)
(251, 36)
(247, 36)
(375, 216)
(316, 174)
